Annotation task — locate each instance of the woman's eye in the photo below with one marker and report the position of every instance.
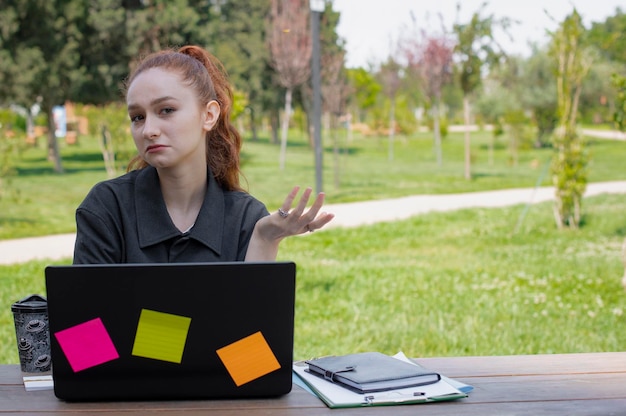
(167, 110)
(136, 118)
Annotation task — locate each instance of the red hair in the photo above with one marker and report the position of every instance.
(206, 75)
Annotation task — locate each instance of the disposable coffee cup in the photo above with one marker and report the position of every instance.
(33, 334)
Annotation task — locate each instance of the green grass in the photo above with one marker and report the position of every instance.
(440, 284)
(454, 284)
(46, 201)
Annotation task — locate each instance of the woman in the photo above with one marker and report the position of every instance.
(181, 200)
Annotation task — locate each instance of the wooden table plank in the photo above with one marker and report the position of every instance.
(561, 384)
(477, 366)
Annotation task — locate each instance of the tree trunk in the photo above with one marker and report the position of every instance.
(392, 127)
(437, 131)
(254, 135)
(468, 160)
(333, 129)
(349, 127)
(274, 124)
(624, 263)
(108, 152)
(53, 146)
(285, 128)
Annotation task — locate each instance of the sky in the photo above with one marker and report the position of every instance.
(371, 28)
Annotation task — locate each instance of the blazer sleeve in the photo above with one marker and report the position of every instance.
(98, 241)
(255, 210)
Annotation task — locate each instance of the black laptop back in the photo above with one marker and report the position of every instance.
(171, 331)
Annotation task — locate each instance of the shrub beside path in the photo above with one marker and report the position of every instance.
(353, 214)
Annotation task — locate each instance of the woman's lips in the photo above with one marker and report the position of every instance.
(155, 148)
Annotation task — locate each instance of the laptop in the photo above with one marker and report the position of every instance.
(171, 331)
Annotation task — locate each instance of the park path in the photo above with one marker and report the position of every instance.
(351, 214)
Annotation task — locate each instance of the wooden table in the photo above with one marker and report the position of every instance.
(560, 384)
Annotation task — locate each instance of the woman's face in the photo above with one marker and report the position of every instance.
(167, 122)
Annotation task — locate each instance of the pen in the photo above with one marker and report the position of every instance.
(395, 397)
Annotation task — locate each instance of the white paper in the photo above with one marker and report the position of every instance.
(34, 383)
(336, 396)
(464, 388)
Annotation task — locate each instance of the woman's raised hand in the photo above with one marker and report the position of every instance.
(270, 230)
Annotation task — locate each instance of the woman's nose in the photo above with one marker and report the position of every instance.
(150, 128)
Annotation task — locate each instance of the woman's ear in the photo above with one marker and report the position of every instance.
(211, 115)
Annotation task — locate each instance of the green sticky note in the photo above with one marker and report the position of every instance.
(161, 336)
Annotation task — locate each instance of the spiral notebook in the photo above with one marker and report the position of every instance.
(171, 331)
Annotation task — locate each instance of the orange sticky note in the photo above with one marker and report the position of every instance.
(248, 359)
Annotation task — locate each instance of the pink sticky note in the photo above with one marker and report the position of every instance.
(87, 345)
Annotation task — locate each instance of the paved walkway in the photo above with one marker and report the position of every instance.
(605, 134)
(352, 214)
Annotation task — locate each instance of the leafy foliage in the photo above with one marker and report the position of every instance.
(110, 124)
(620, 106)
(538, 93)
(366, 90)
(11, 144)
(430, 57)
(608, 36)
(476, 48)
(569, 163)
(236, 32)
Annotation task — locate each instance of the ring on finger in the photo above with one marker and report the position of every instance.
(283, 213)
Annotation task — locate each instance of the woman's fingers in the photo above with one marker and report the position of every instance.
(320, 221)
(298, 221)
(284, 209)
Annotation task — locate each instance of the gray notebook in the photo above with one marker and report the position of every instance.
(171, 331)
(369, 372)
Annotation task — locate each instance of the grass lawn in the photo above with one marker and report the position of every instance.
(45, 202)
(439, 284)
(453, 284)
(442, 284)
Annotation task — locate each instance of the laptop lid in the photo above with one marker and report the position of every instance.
(171, 331)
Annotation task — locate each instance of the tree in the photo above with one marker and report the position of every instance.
(366, 91)
(569, 162)
(619, 82)
(158, 24)
(608, 36)
(335, 88)
(78, 50)
(290, 49)
(431, 58)
(103, 53)
(110, 123)
(539, 94)
(605, 39)
(41, 56)
(12, 132)
(476, 48)
(500, 105)
(335, 91)
(236, 31)
(597, 97)
(389, 76)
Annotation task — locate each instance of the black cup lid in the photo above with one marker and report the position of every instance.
(32, 303)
